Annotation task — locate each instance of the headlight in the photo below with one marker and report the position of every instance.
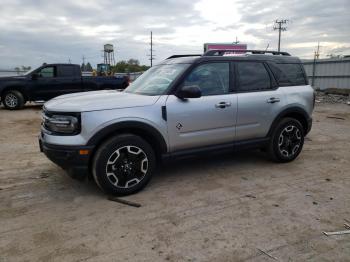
(61, 124)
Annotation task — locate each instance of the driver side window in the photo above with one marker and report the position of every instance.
(47, 72)
(211, 78)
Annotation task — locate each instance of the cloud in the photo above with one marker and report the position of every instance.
(37, 31)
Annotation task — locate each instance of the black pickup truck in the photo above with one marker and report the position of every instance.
(51, 80)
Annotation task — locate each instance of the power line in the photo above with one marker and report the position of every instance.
(279, 26)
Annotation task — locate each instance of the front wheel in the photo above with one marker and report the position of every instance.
(287, 140)
(123, 165)
(13, 99)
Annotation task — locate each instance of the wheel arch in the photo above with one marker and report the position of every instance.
(145, 131)
(294, 112)
(18, 88)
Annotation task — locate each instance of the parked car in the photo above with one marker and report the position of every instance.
(51, 80)
(186, 105)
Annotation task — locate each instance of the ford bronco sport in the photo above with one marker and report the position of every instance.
(185, 105)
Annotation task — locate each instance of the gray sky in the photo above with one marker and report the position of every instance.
(36, 31)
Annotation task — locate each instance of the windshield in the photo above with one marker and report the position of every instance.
(156, 80)
(30, 71)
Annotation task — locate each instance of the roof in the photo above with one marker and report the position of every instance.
(247, 57)
(60, 64)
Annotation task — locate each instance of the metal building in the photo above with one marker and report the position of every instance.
(328, 73)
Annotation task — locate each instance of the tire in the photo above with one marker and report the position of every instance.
(13, 100)
(287, 140)
(123, 165)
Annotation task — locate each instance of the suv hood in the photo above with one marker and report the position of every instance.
(98, 100)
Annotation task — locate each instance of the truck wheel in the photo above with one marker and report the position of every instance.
(287, 140)
(123, 165)
(13, 99)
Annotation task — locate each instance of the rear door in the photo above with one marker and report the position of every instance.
(259, 99)
(208, 120)
(69, 78)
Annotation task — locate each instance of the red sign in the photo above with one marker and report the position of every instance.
(219, 46)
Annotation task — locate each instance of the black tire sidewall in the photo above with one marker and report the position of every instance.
(274, 148)
(20, 99)
(104, 152)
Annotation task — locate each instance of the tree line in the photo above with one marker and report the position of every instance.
(129, 66)
(22, 68)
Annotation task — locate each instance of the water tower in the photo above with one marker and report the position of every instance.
(108, 54)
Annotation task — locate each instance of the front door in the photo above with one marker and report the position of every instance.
(204, 121)
(45, 85)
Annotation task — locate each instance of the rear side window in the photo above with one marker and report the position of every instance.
(288, 74)
(67, 71)
(253, 76)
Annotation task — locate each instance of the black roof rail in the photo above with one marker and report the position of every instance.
(177, 56)
(255, 52)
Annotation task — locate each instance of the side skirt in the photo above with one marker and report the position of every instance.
(228, 147)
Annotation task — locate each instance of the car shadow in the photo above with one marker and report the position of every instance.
(28, 106)
(211, 163)
(190, 168)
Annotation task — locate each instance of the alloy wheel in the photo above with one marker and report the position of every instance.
(11, 100)
(127, 166)
(289, 141)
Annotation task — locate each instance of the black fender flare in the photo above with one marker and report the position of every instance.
(20, 88)
(148, 132)
(296, 112)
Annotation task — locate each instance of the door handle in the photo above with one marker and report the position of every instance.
(223, 105)
(273, 100)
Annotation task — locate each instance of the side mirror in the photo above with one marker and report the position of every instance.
(35, 76)
(189, 92)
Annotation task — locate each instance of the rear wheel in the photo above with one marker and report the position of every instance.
(287, 140)
(13, 99)
(123, 165)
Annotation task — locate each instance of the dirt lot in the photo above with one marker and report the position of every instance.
(222, 208)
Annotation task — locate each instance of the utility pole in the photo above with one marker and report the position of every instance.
(151, 50)
(279, 26)
(316, 56)
(83, 69)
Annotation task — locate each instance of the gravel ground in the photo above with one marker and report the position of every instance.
(324, 98)
(231, 207)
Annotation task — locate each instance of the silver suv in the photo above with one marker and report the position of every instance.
(186, 105)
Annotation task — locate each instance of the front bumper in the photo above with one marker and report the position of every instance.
(68, 157)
